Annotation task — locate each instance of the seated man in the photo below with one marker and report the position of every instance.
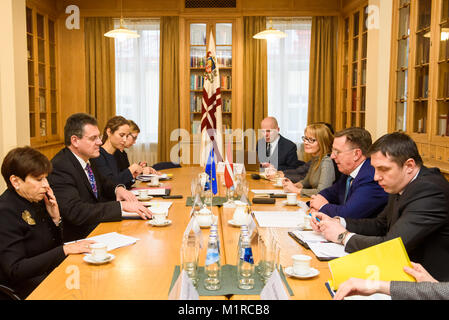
(274, 149)
(355, 194)
(417, 209)
(85, 198)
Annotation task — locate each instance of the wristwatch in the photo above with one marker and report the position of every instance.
(342, 236)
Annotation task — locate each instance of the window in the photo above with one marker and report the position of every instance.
(137, 77)
(288, 75)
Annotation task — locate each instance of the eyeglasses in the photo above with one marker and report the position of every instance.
(93, 138)
(336, 152)
(308, 140)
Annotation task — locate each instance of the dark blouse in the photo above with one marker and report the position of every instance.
(122, 159)
(30, 243)
(108, 167)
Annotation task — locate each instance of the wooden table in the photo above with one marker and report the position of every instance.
(144, 270)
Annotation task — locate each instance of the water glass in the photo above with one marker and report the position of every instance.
(189, 257)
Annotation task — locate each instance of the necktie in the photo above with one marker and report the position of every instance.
(348, 186)
(268, 149)
(93, 184)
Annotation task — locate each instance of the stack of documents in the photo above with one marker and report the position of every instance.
(150, 204)
(114, 240)
(322, 249)
(267, 191)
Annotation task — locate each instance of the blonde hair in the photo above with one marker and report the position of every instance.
(324, 137)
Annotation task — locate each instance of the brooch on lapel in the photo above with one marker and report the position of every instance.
(26, 216)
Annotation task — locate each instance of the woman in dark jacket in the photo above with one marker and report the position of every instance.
(30, 223)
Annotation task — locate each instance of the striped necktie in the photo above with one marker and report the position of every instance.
(268, 153)
(348, 186)
(93, 184)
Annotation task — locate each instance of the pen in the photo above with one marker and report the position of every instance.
(315, 218)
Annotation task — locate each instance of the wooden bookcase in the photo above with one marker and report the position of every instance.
(353, 66)
(42, 63)
(419, 99)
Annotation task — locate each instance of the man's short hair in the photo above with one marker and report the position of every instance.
(357, 137)
(74, 126)
(398, 146)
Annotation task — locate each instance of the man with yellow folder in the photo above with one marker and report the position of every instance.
(417, 208)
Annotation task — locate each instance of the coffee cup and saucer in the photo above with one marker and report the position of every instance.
(291, 199)
(99, 254)
(301, 267)
(142, 195)
(154, 182)
(278, 182)
(159, 217)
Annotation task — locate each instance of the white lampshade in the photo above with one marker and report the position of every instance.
(270, 34)
(122, 33)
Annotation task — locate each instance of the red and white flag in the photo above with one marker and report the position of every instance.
(229, 168)
(211, 110)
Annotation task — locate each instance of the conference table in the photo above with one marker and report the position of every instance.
(144, 270)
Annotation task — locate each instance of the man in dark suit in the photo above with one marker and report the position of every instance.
(85, 197)
(355, 194)
(273, 149)
(417, 209)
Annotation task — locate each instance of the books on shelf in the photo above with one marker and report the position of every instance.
(196, 82)
(197, 61)
(226, 105)
(196, 102)
(196, 127)
(226, 82)
(224, 62)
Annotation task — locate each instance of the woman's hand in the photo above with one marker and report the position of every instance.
(76, 247)
(290, 186)
(419, 273)
(135, 169)
(52, 205)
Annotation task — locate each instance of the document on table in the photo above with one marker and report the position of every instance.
(279, 219)
(309, 236)
(327, 249)
(268, 191)
(113, 240)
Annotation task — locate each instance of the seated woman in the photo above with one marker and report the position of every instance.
(317, 142)
(30, 223)
(122, 157)
(115, 135)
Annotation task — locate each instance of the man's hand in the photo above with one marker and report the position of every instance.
(317, 202)
(124, 195)
(361, 287)
(136, 207)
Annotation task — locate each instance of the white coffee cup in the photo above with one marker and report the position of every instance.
(279, 181)
(159, 214)
(154, 181)
(307, 221)
(301, 264)
(143, 193)
(291, 198)
(99, 251)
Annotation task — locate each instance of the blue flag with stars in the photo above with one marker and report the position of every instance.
(210, 170)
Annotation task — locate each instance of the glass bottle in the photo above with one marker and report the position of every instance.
(212, 267)
(245, 267)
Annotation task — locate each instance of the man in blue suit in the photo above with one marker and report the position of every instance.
(355, 194)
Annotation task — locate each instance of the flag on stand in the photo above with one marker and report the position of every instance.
(211, 109)
(229, 168)
(210, 170)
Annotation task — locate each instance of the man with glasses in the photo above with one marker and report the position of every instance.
(355, 194)
(86, 198)
(275, 150)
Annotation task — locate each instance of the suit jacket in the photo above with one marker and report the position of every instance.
(78, 206)
(283, 157)
(365, 197)
(107, 165)
(30, 248)
(420, 216)
(122, 159)
(405, 290)
(297, 174)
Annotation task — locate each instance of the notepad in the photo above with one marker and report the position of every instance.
(385, 261)
(267, 191)
(327, 250)
(113, 240)
(279, 219)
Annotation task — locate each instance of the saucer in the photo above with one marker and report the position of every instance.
(204, 227)
(88, 259)
(154, 185)
(277, 185)
(285, 203)
(164, 223)
(234, 224)
(312, 273)
(144, 199)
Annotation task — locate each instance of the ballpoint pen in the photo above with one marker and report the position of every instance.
(310, 214)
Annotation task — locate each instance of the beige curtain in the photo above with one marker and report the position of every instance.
(255, 106)
(323, 70)
(100, 69)
(169, 117)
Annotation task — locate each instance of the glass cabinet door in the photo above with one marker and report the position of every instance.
(442, 124)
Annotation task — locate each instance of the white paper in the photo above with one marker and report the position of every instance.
(274, 288)
(267, 191)
(327, 250)
(114, 240)
(151, 192)
(309, 236)
(183, 289)
(151, 204)
(279, 219)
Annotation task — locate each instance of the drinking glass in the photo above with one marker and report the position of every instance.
(189, 257)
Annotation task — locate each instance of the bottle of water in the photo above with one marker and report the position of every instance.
(245, 267)
(243, 232)
(214, 231)
(212, 266)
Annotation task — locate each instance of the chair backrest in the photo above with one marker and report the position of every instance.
(7, 293)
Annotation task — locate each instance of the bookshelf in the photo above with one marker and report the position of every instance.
(42, 77)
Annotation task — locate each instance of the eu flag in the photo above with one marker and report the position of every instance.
(210, 170)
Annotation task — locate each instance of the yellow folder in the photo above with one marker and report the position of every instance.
(385, 261)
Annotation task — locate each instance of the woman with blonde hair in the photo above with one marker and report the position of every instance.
(318, 141)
